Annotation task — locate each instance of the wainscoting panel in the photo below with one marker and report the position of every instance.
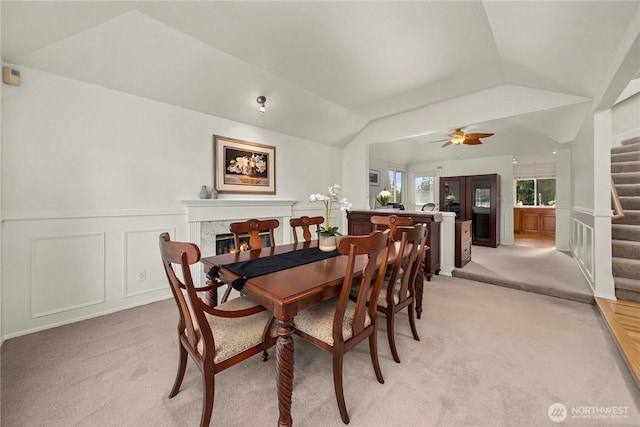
(582, 247)
(141, 261)
(58, 270)
(75, 287)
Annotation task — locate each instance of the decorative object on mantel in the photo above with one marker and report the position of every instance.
(244, 167)
(214, 194)
(204, 193)
(327, 239)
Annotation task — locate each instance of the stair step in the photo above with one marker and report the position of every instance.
(626, 148)
(630, 203)
(626, 177)
(629, 156)
(627, 289)
(625, 167)
(628, 189)
(625, 267)
(630, 141)
(631, 217)
(625, 232)
(625, 249)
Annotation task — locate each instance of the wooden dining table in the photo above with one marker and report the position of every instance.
(286, 293)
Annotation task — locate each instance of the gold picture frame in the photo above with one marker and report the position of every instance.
(243, 166)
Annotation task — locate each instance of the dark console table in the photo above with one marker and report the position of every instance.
(360, 224)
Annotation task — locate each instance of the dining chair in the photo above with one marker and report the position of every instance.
(215, 338)
(253, 227)
(339, 324)
(428, 206)
(305, 222)
(397, 289)
(391, 222)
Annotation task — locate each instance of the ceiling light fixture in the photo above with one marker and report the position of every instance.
(262, 100)
(457, 137)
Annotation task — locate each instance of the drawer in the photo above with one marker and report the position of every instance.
(465, 230)
(465, 249)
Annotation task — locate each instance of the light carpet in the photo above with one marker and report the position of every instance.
(545, 271)
(488, 356)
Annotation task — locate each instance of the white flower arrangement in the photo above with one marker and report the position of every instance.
(383, 198)
(248, 165)
(328, 200)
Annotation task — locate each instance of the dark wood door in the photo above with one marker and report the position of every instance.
(482, 208)
(452, 195)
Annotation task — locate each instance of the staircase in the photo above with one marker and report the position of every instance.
(625, 234)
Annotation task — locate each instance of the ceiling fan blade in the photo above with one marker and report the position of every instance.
(440, 140)
(478, 135)
(472, 141)
(448, 143)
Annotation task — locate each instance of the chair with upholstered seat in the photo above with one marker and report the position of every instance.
(253, 228)
(391, 222)
(397, 290)
(305, 222)
(338, 325)
(215, 338)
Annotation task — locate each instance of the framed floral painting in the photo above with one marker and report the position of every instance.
(243, 166)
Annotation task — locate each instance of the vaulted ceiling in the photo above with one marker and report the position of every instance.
(334, 71)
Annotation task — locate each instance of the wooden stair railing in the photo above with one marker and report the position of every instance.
(618, 213)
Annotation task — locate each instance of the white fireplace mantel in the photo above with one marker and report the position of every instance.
(222, 209)
(211, 210)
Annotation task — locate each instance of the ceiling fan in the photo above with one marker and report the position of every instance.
(458, 137)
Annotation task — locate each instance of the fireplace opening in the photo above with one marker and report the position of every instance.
(226, 245)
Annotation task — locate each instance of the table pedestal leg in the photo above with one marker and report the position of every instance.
(284, 370)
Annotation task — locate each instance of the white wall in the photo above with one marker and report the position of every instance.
(381, 166)
(534, 170)
(563, 199)
(582, 164)
(1, 90)
(502, 165)
(625, 120)
(91, 176)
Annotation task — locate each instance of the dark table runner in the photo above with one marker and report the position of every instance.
(265, 265)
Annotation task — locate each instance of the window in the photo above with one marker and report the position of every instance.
(396, 178)
(425, 188)
(536, 192)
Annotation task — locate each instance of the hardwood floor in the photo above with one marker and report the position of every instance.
(623, 319)
(534, 240)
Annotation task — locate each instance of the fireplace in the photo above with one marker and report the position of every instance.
(208, 218)
(225, 242)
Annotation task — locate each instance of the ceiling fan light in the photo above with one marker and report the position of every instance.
(457, 137)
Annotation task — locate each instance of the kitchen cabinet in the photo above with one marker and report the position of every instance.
(534, 220)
